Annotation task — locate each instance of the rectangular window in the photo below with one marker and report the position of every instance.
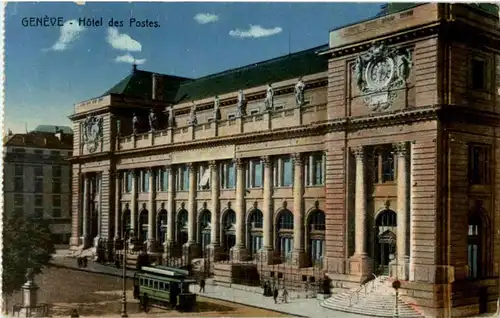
(478, 73)
(145, 180)
(231, 116)
(56, 171)
(38, 200)
(479, 168)
(56, 200)
(18, 199)
(164, 180)
(227, 175)
(18, 170)
(280, 107)
(254, 111)
(38, 171)
(56, 185)
(56, 212)
(255, 178)
(316, 169)
(185, 179)
(287, 172)
(128, 187)
(19, 150)
(204, 177)
(55, 153)
(18, 184)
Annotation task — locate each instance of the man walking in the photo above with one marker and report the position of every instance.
(202, 285)
(275, 295)
(285, 295)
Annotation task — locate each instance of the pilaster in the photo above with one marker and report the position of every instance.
(191, 249)
(298, 255)
(169, 243)
(239, 252)
(118, 208)
(402, 214)
(360, 262)
(214, 247)
(85, 222)
(151, 211)
(133, 207)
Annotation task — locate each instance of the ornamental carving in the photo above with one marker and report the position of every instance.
(379, 72)
(92, 133)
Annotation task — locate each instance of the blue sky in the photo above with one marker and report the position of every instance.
(49, 69)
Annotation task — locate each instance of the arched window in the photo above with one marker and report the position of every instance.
(317, 227)
(182, 227)
(228, 224)
(254, 231)
(125, 222)
(205, 229)
(143, 221)
(474, 246)
(285, 234)
(162, 225)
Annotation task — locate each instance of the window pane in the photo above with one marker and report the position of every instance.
(129, 182)
(56, 171)
(19, 184)
(318, 170)
(56, 212)
(18, 170)
(185, 179)
(56, 200)
(230, 176)
(38, 171)
(38, 213)
(164, 180)
(38, 200)
(478, 74)
(287, 172)
(18, 199)
(257, 181)
(145, 181)
(56, 186)
(39, 185)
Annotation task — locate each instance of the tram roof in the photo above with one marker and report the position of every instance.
(166, 271)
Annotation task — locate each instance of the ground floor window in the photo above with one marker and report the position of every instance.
(255, 243)
(317, 248)
(286, 247)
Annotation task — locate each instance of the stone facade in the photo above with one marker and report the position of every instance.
(388, 168)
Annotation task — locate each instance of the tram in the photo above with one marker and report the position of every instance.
(164, 287)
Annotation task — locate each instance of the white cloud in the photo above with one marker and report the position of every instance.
(127, 58)
(254, 31)
(122, 41)
(70, 31)
(204, 18)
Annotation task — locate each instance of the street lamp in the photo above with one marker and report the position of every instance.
(124, 273)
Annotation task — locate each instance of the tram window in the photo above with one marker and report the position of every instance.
(161, 286)
(141, 281)
(167, 286)
(150, 283)
(156, 285)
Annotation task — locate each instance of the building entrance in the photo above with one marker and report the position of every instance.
(385, 241)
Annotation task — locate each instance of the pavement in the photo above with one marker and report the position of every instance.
(295, 307)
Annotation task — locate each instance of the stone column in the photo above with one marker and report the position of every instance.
(191, 249)
(360, 262)
(85, 222)
(239, 251)
(402, 214)
(118, 205)
(310, 180)
(215, 248)
(133, 208)
(151, 211)
(169, 243)
(299, 255)
(76, 211)
(267, 252)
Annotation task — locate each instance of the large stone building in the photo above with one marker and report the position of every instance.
(373, 154)
(37, 177)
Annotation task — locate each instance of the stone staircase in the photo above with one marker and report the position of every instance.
(373, 299)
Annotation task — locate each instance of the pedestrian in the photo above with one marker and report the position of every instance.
(145, 301)
(84, 262)
(275, 295)
(285, 295)
(266, 287)
(202, 285)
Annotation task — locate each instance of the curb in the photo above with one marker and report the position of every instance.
(202, 295)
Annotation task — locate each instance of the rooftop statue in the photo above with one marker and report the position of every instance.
(192, 115)
(242, 104)
(299, 92)
(152, 120)
(269, 100)
(135, 124)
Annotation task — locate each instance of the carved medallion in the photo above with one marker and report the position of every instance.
(92, 133)
(379, 72)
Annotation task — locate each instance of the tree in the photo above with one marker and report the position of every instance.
(27, 243)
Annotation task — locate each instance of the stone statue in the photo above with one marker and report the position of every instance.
(29, 275)
(152, 120)
(171, 117)
(118, 127)
(242, 104)
(135, 124)
(217, 115)
(192, 115)
(358, 72)
(299, 92)
(403, 64)
(269, 101)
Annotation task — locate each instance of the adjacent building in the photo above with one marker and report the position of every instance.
(375, 153)
(37, 177)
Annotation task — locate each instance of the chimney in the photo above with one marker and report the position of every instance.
(157, 87)
(134, 67)
(9, 133)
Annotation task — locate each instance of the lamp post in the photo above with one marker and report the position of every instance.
(396, 284)
(124, 273)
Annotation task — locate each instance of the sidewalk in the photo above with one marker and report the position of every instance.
(295, 307)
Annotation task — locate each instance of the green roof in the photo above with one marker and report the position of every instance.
(278, 69)
(139, 84)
